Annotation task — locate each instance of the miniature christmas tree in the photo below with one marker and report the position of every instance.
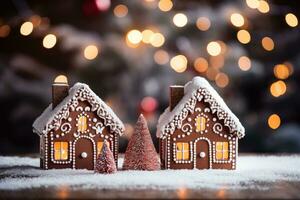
(105, 163)
(140, 153)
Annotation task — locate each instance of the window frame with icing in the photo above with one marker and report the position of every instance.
(185, 151)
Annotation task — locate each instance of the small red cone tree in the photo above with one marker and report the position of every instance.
(140, 153)
(105, 163)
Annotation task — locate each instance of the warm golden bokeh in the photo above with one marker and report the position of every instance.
(134, 37)
(263, 6)
(91, 52)
(278, 88)
(49, 41)
(291, 20)
(165, 5)
(4, 31)
(180, 20)
(274, 121)
(217, 61)
(179, 63)
(243, 36)
(146, 36)
(222, 80)
(157, 40)
(252, 3)
(244, 63)
(267, 43)
(281, 71)
(200, 64)
(203, 23)
(211, 73)
(161, 57)
(213, 48)
(26, 28)
(120, 10)
(237, 19)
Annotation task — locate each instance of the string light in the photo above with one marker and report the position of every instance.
(161, 57)
(157, 40)
(243, 36)
(237, 19)
(91, 52)
(134, 36)
(200, 64)
(26, 28)
(252, 3)
(263, 6)
(244, 63)
(213, 48)
(222, 80)
(179, 63)
(267, 43)
(203, 23)
(281, 71)
(4, 31)
(146, 36)
(180, 20)
(278, 88)
(49, 41)
(291, 20)
(274, 121)
(120, 10)
(165, 5)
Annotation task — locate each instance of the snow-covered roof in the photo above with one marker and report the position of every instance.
(52, 118)
(194, 91)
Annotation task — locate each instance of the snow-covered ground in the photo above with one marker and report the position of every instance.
(23, 173)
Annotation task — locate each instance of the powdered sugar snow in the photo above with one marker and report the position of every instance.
(23, 173)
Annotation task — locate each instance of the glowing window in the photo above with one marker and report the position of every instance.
(100, 145)
(182, 151)
(82, 124)
(222, 151)
(200, 123)
(61, 150)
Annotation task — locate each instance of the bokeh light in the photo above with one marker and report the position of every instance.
(179, 63)
(161, 57)
(267, 43)
(243, 36)
(134, 36)
(180, 20)
(217, 61)
(203, 23)
(274, 121)
(4, 31)
(213, 48)
(291, 20)
(91, 52)
(146, 36)
(149, 104)
(244, 63)
(26, 28)
(157, 40)
(49, 41)
(252, 3)
(211, 73)
(165, 5)
(222, 80)
(263, 6)
(200, 64)
(120, 10)
(281, 71)
(237, 19)
(278, 88)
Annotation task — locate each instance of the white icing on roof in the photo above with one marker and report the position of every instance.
(194, 91)
(51, 118)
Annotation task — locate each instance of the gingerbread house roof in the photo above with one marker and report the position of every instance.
(52, 118)
(196, 90)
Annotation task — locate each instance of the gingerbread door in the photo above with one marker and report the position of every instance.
(202, 154)
(84, 156)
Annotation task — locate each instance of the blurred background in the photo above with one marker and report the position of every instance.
(129, 52)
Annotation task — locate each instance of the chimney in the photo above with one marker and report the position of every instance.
(176, 94)
(60, 90)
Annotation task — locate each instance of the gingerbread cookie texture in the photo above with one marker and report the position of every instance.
(73, 127)
(198, 130)
(105, 163)
(140, 153)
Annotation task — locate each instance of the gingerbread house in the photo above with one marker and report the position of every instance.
(74, 126)
(198, 130)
